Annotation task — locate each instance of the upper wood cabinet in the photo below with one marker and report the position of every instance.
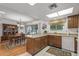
(73, 21)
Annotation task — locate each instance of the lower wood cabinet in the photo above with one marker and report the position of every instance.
(37, 45)
(30, 45)
(75, 45)
(34, 45)
(55, 41)
(43, 42)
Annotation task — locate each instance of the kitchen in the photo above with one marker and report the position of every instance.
(29, 29)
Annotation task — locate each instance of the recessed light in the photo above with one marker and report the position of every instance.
(66, 11)
(32, 4)
(52, 15)
(2, 12)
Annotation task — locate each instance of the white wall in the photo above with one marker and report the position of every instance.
(7, 21)
(46, 29)
(40, 23)
(65, 28)
(22, 29)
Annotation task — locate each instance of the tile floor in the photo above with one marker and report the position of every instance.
(43, 53)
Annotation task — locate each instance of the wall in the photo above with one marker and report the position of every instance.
(47, 27)
(22, 29)
(65, 28)
(40, 23)
(7, 21)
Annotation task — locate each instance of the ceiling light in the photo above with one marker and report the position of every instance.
(52, 15)
(66, 11)
(32, 4)
(20, 25)
(2, 12)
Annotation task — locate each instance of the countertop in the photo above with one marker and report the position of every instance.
(56, 34)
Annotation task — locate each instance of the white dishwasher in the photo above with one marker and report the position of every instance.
(68, 43)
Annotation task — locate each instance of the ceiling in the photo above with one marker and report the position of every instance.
(39, 10)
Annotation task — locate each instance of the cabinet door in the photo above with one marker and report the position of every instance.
(58, 41)
(76, 22)
(75, 45)
(42, 42)
(45, 40)
(70, 22)
(73, 21)
(55, 41)
(50, 40)
(36, 44)
(30, 46)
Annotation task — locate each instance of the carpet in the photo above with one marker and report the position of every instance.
(58, 52)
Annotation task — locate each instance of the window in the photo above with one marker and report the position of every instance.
(31, 29)
(59, 27)
(56, 27)
(53, 27)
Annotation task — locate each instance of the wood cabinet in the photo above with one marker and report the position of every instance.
(43, 42)
(55, 41)
(73, 21)
(30, 45)
(36, 44)
(75, 44)
(8, 30)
